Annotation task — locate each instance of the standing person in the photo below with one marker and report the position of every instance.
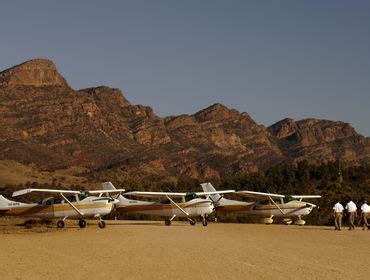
(364, 210)
(352, 211)
(338, 215)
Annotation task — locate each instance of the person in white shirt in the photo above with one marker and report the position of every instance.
(365, 209)
(352, 211)
(338, 215)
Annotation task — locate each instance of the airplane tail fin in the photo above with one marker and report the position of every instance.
(109, 186)
(207, 187)
(4, 203)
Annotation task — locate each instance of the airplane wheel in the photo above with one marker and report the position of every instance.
(267, 221)
(167, 222)
(60, 224)
(192, 222)
(205, 223)
(300, 222)
(82, 223)
(102, 224)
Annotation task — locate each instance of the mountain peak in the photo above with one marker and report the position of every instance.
(216, 111)
(36, 72)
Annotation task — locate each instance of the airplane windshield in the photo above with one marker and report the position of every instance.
(190, 196)
(81, 196)
(288, 198)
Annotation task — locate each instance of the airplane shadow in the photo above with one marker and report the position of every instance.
(143, 224)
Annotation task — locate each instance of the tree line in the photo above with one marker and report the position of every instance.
(331, 180)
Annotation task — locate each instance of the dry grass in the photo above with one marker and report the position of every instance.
(14, 173)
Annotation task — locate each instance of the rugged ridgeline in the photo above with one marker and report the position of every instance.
(46, 123)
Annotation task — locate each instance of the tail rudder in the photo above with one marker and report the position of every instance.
(109, 186)
(207, 187)
(5, 203)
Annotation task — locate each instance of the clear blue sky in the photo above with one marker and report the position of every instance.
(273, 59)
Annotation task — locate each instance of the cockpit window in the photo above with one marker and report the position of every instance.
(269, 202)
(288, 198)
(50, 201)
(82, 196)
(265, 202)
(167, 201)
(190, 196)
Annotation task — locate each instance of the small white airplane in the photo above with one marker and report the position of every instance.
(285, 208)
(78, 205)
(172, 205)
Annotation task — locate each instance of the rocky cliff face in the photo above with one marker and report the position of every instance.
(321, 141)
(46, 123)
(36, 73)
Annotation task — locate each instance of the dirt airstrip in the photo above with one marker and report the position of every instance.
(150, 250)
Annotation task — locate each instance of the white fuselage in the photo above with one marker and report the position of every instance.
(89, 206)
(289, 209)
(194, 207)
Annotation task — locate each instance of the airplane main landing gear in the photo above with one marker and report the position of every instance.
(300, 222)
(204, 222)
(267, 221)
(60, 224)
(192, 222)
(82, 223)
(101, 222)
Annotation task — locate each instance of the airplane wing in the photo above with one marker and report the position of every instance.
(173, 194)
(259, 195)
(155, 194)
(213, 192)
(26, 191)
(305, 196)
(106, 191)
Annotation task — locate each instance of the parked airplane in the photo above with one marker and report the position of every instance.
(78, 205)
(287, 208)
(182, 205)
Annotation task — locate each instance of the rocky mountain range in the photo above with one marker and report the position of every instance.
(47, 124)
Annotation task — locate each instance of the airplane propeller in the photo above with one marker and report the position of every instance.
(215, 204)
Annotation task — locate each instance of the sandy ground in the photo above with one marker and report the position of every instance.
(150, 250)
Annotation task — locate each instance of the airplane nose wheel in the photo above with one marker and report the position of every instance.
(167, 222)
(60, 224)
(204, 222)
(82, 223)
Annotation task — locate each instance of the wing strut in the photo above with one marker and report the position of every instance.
(70, 203)
(276, 205)
(178, 206)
